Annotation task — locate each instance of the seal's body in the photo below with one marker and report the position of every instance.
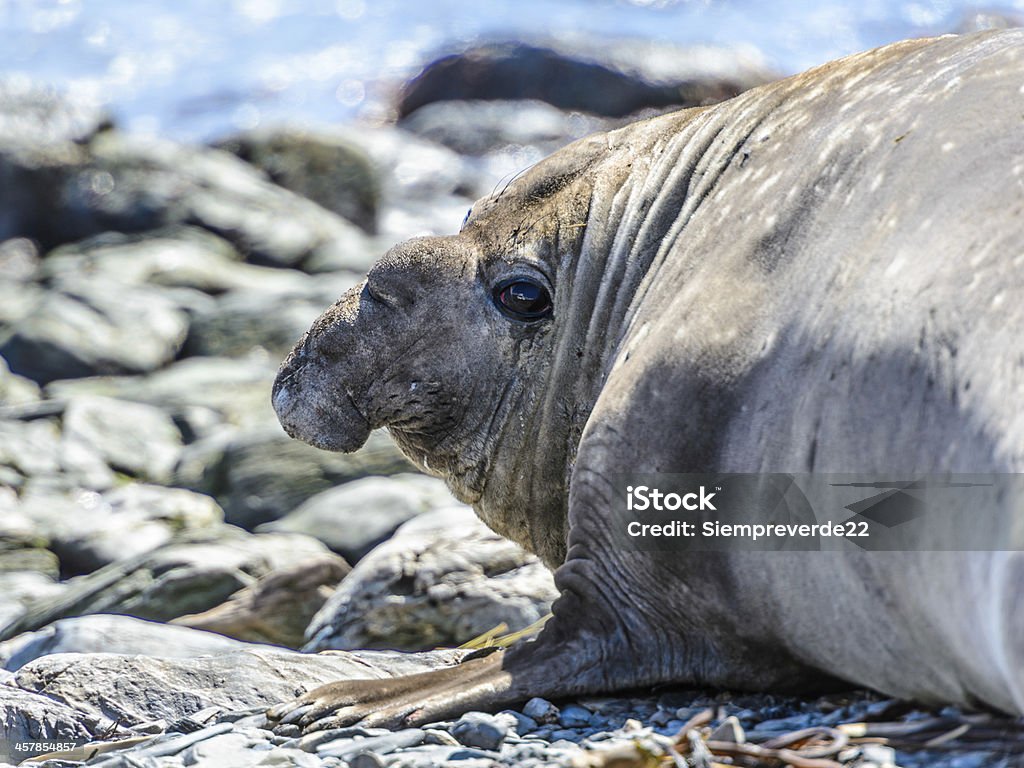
(825, 274)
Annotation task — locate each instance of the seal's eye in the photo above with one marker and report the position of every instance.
(522, 298)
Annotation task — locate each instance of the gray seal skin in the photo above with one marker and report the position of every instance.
(822, 274)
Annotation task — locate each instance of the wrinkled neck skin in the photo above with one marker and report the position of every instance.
(492, 405)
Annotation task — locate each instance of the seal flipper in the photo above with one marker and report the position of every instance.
(497, 680)
(479, 683)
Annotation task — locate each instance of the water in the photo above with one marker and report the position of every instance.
(196, 69)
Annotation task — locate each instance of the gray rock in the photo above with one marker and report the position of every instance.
(19, 260)
(318, 165)
(262, 474)
(16, 390)
(230, 391)
(173, 257)
(29, 448)
(427, 189)
(355, 517)
(103, 633)
(18, 297)
(133, 438)
(565, 734)
(523, 724)
(224, 750)
(35, 451)
(88, 530)
(195, 573)
(103, 686)
(183, 257)
(19, 589)
(346, 749)
(482, 127)
(27, 716)
(575, 716)
(65, 192)
(241, 321)
(601, 77)
(366, 760)
(277, 608)
(95, 326)
(443, 579)
(479, 729)
(541, 710)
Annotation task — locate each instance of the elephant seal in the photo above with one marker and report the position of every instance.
(823, 274)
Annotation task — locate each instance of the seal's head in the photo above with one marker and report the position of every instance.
(466, 348)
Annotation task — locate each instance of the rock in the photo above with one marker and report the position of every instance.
(158, 183)
(16, 390)
(101, 633)
(347, 749)
(23, 549)
(19, 588)
(27, 716)
(441, 580)
(196, 572)
(89, 530)
(242, 321)
(262, 474)
(481, 127)
(277, 608)
(426, 189)
(94, 326)
(225, 750)
(28, 448)
(541, 710)
(479, 729)
(34, 452)
(18, 298)
(19, 259)
(323, 167)
(109, 685)
(220, 390)
(601, 77)
(366, 760)
(65, 192)
(355, 517)
(175, 256)
(133, 438)
(575, 716)
(185, 257)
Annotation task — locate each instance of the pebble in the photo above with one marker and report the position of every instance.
(479, 729)
(523, 724)
(541, 710)
(346, 749)
(575, 716)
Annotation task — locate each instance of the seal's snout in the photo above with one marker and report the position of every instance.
(313, 408)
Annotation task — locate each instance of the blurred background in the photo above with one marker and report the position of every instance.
(197, 70)
(184, 186)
